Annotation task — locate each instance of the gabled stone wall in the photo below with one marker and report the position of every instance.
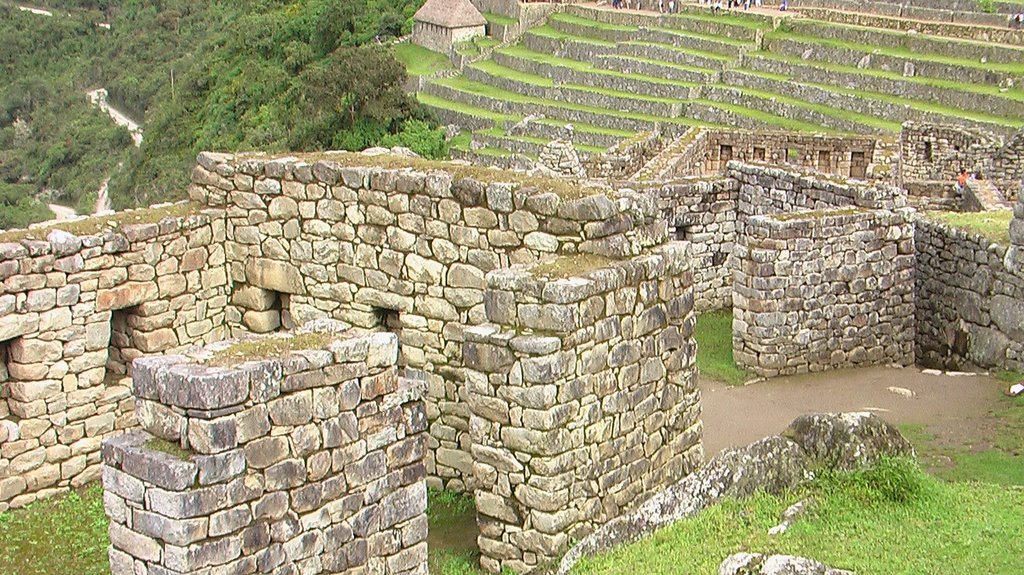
(310, 462)
(353, 242)
(583, 398)
(75, 310)
(824, 290)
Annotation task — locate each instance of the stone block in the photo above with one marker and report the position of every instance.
(213, 435)
(127, 295)
(274, 275)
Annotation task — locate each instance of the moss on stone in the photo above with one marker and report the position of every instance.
(269, 347)
(573, 265)
(168, 447)
(97, 224)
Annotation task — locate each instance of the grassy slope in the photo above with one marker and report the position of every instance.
(714, 348)
(60, 536)
(892, 521)
(420, 61)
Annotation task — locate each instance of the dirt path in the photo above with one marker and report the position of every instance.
(62, 212)
(98, 97)
(955, 408)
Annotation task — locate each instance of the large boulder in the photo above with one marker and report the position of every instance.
(758, 564)
(847, 441)
(773, 464)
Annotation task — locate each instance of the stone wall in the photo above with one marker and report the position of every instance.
(841, 155)
(766, 191)
(939, 152)
(442, 39)
(75, 311)
(309, 462)
(405, 250)
(704, 213)
(928, 195)
(969, 294)
(824, 290)
(583, 397)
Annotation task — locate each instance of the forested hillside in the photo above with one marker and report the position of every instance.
(226, 75)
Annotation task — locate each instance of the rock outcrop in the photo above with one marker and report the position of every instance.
(843, 441)
(758, 564)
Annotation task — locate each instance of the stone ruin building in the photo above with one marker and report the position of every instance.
(523, 337)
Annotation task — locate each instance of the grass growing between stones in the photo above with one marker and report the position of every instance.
(714, 348)
(994, 225)
(891, 520)
(575, 265)
(265, 348)
(63, 535)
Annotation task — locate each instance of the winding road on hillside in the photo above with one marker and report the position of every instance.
(98, 98)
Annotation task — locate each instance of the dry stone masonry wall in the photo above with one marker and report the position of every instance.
(74, 312)
(969, 294)
(583, 399)
(404, 250)
(307, 463)
(824, 290)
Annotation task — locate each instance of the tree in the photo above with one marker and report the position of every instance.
(357, 85)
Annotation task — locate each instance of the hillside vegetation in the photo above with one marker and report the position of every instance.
(260, 74)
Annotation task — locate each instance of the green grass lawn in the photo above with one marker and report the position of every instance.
(58, 536)
(893, 520)
(419, 61)
(1000, 460)
(714, 348)
(994, 225)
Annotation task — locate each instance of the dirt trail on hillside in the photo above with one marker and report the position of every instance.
(955, 408)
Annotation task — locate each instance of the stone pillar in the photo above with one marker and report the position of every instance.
(310, 461)
(583, 399)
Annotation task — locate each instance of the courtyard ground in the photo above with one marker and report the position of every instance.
(963, 426)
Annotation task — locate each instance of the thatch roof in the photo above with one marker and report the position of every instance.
(450, 14)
